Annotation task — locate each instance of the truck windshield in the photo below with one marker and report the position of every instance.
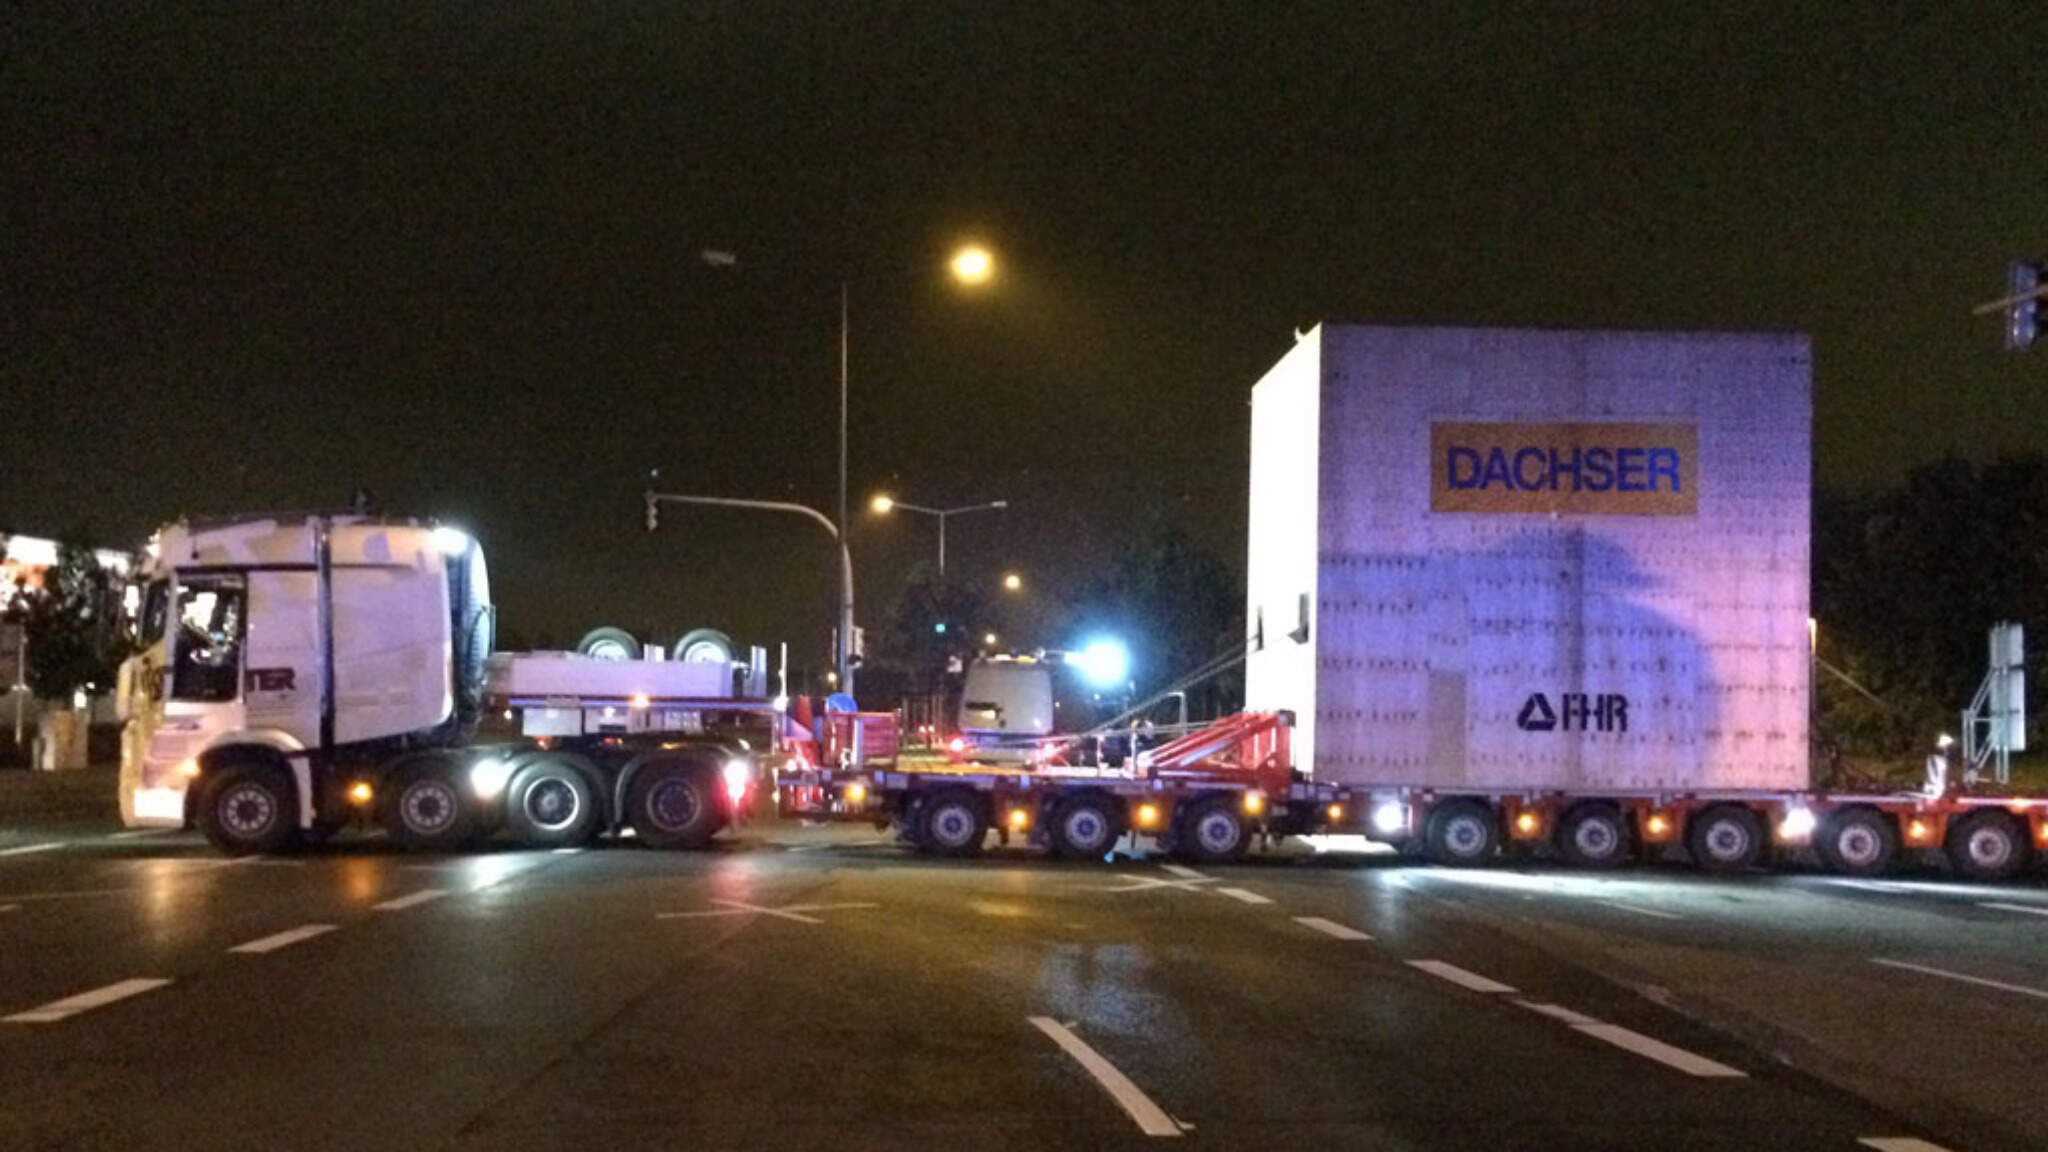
(207, 665)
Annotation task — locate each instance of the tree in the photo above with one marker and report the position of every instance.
(76, 637)
(914, 649)
(1174, 606)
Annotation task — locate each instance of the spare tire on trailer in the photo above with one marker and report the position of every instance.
(702, 646)
(608, 644)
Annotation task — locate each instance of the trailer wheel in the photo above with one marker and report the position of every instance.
(673, 806)
(247, 809)
(428, 808)
(550, 802)
(1593, 836)
(1084, 829)
(608, 644)
(1462, 833)
(1987, 846)
(1212, 832)
(1858, 842)
(1728, 838)
(952, 824)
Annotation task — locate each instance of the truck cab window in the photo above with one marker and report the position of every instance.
(207, 665)
(156, 603)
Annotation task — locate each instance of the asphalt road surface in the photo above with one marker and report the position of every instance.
(825, 989)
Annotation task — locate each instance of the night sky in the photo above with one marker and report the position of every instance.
(256, 256)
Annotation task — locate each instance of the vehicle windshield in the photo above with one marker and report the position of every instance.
(208, 659)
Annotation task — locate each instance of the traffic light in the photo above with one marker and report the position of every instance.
(2023, 314)
(653, 512)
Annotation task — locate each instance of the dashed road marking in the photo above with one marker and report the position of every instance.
(1460, 976)
(283, 939)
(1154, 883)
(1885, 886)
(1151, 1118)
(1641, 911)
(1689, 1063)
(134, 833)
(1899, 1144)
(1242, 894)
(1183, 871)
(86, 1001)
(567, 851)
(2028, 909)
(25, 849)
(1330, 928)
(1557, 1012)
(420, 897)
(2020, 989)
(786, 912)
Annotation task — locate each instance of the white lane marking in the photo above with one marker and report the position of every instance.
(86, 1001)
(1330, 928)
(786, 912)
(420, 897)
(1899, 1144)
(2036, 993)
(1459, 976)
(283, 939)
(1151, 883)
(1242, 894)
(2031, 911)
(1687, 1062)
(567, 851)
(1884, 886)
(1152, 1119)
(133, 833)
(1183, 871)
(1557, 1012)
(1640, 911)
(25, 849)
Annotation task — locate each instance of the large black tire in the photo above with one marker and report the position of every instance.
(673, 805)
(608, 644)
(550, 802)
(1593, 836)
(429, 806)
(1084, 828)
(702, 646)
(1725, 838)
(952, 823)
(247, 808)
(1857, 842)
(1990, 845)
(1462, 833)
(1212, 831)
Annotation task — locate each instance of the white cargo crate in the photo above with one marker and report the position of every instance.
(1501, 559)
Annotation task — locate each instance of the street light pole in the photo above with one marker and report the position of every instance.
(889, 504)
(656, 499)
(845, 639)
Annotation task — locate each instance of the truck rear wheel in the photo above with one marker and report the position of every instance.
(1728, 838)
(551, 802)
(1857, 842)
(1462, 833)
(1084, 829)
(952, 824)
(428, 808)
(247, 809)
(1212, 832)
(1593, 836)
(1987, 845)
(672, 806)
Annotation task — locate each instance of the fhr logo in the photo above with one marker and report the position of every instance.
(1592, 469)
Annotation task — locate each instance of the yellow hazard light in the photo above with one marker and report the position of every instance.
(359, 792)
(639, 700)
(856, 793)
(2041, 832)
(1527, 823)
(189, 769)
(1657, 825)
(1916, 831)
(1019, 818)
(1148, 815)
(1254, 803)
(1336, 813)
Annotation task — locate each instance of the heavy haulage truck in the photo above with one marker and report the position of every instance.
(1505, 587)
(298, 673)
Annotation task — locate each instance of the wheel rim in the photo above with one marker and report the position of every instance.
(1595, 838)
(552, 803)
(1858, 845)
(1727, 840)
(428, 807)
(672, 805)
(247, 811)
(1465, 835)
(609, 650)
(1085, 828)
(952, 825)
(1988, 847)
(1217, 832)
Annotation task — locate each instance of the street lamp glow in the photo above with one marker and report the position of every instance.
(882, 504)
(1013, 582)
(1105, 663)
(973, 265)
(989, 638)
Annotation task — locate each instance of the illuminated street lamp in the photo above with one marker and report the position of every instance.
(1012, 582)
(884, 504)
(973, 266)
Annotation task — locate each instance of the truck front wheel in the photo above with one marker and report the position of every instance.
(428, 808)
(247, 809)
(672, 806)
